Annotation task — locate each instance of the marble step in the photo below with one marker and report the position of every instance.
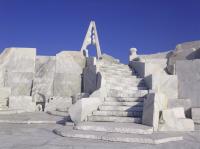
(127, 91)
(120, 108)
(138, 93)
(116, 76)
(126, 87)
(3, 102)
(118, 113)
(3, 107)
(116, 66)
(116, 72)
(115, 69)
(114, 127)
(124, 99)
(154, 138)
(114, 119)
(113, 103)
(124, 82)
(111, 74)
(126, 67)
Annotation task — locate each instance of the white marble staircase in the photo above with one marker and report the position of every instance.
(119, 117)
(126, 93)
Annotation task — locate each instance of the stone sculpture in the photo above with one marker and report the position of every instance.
(91, 38)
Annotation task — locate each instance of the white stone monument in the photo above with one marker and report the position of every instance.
(91, 38)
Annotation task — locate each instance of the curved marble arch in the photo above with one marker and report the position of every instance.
(91, 38)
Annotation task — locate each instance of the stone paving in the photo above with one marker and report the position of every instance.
(40, 136)
(32, 118)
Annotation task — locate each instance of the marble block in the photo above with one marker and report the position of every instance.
(174, 120)
(66, 85)
(24, 103)
(84, 107)
(5, 92)
(44, 76)
(70, 62)
(153, 105)
(58, 104)
(196, 113)
(18, 59)
(186, 103)
(20, 83)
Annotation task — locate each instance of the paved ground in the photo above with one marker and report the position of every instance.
(40, 136)
(36, 117)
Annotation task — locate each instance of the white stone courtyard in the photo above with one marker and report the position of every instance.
(73, 100)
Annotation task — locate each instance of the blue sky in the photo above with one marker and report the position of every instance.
(55, 25)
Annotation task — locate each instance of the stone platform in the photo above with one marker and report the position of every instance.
(32, 118)
(154, 138)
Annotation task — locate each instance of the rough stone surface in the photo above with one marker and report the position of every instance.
(70, 62)
(84, 107)
(40, 136)
(115, 127)
(196, 113)
(22, 103)
(5, 92)
(59, 104)
(18, 59)
(20, 83)
(66, 84)
(44, 76)
(157, 138)
(32, 118)
(166, 84)
(79, 96)
(174, 120)
(154, 103)
(69, 67)
(186, 103)
(188, 73)
(109, 59)
(183, 51)
(150, 66)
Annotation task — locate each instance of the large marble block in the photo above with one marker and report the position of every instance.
(188, 72)
(69, 68)
(149, 66)
(186, 103)
(18, 59)
(84, 107)
(44, 76)
(167, 84)
(196, 113)
(19, 82)
(70, 62)
(24, 103)
(66, 84)
(5, 92)
(174, 120)
(183, 51)
(153, 105)
(58, 104)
